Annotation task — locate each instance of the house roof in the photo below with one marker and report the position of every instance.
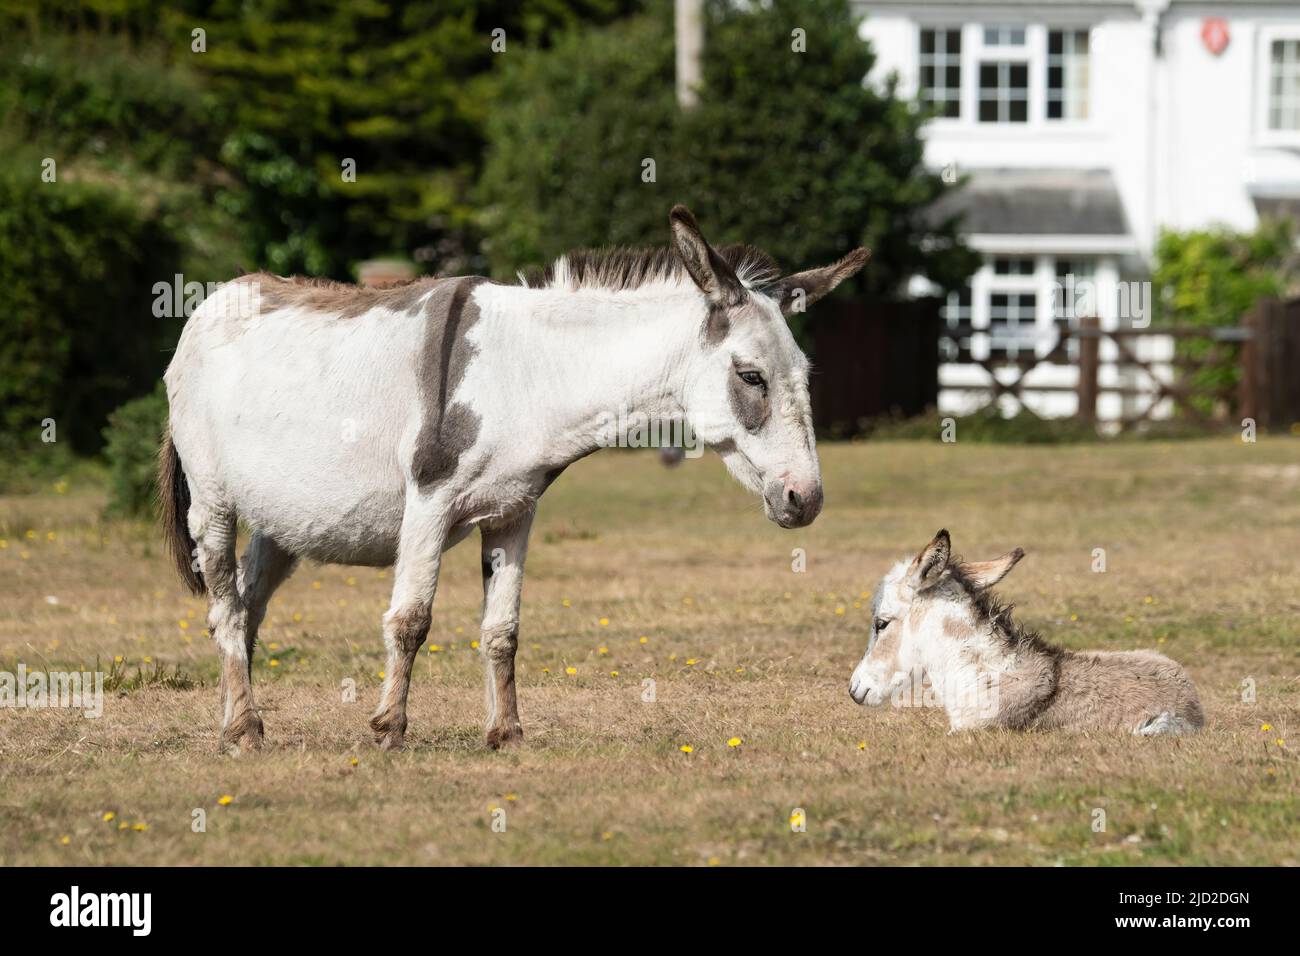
(1035, 202)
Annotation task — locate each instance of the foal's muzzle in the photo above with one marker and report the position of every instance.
(793, 504)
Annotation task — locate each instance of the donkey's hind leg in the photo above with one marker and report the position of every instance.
(1164, 724)
(214, 532)
(264, 567)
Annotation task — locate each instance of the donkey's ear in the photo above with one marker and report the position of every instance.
(985, 574)
(796, 292)
(710, 272)
(928, 566)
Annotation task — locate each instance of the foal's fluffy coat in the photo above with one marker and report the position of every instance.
(937, 616)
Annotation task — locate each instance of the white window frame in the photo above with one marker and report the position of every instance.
(1033, 53)
(1267, 35)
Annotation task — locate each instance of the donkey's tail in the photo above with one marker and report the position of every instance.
(174, 497)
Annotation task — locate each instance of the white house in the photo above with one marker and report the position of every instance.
(1085, 127)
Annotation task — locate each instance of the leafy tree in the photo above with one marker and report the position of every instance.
(788, 150)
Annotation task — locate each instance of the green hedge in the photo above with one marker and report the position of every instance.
(78, 261)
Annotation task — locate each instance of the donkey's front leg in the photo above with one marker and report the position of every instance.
(503, 582)
(406, 623)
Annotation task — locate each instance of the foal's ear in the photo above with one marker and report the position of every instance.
(985, 574)
(796, 292)
(710, 272)
(928, 566)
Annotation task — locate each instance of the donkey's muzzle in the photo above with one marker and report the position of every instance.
(793, 504)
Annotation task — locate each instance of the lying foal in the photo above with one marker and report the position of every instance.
(937, 617)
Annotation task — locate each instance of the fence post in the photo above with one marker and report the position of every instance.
(1089, 360)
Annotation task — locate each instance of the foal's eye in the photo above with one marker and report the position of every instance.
(752, 378)
(881, 624)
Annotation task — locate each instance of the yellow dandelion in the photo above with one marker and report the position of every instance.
(117, 659)
(686, 748)
(434, 648)
(570, 671)
(382, 675)
(796, 819)
(140, 827)
(352, 582)
(857, 605)
(1128, 618)
(474, 644)
(839, 610)
(65, 840)
(862, 745)
(225, 800)
(734, 742)
(607, 836)
(1272, 771)
(613, 673)
(1148, 600)
(546, 670)
(740, 670)
(148, 660)
(343, 602)
(714, 861)
(512, 797)
(565, 602)
(460, 630)
(31, 535)
(691, 661)
(184, 624)
(604, 622)
(602, 650)
(643, 639)
(24, 555)
(864, 595)
(49, 536)
(688, 600)
(297, 617)
(108, 816)
(273, 646)
(355, 761)
(1074, 617)
(1280, 742)
(124, 825)
(274, 662)
(1265, 728)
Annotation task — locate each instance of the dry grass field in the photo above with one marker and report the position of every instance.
(635, 573)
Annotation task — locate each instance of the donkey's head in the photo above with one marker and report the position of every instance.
(925, 612)
(746, 391)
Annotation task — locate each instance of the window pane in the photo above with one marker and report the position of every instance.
(1067, 74)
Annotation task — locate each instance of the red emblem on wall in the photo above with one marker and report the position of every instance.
(1214, 34)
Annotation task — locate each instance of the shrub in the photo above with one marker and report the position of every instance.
(1212, 278)
(131, 445)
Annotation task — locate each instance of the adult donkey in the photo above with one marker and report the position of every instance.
(372, 426)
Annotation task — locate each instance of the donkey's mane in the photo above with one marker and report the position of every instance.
(990, 608)
(619, 268)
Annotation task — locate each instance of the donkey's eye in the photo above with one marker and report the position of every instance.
(752, 378)
(881, 624)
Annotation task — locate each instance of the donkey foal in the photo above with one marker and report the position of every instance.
(937, 616)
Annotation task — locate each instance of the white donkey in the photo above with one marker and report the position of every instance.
(937, 617)
(372, 426)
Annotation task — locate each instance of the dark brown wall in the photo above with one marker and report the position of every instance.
(872, 359)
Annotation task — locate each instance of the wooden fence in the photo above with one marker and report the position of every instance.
(1265, 348)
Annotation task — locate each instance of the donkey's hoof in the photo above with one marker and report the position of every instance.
(246, 731)
(499, 737)
(390, 733)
